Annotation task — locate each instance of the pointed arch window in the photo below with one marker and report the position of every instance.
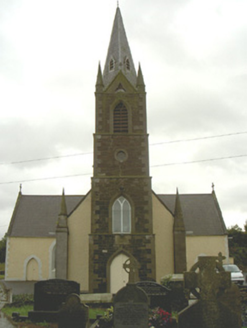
(127, 64)
(121, 216)
(120, 119)
(112, 64)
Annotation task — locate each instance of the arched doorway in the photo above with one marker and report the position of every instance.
(118, 276)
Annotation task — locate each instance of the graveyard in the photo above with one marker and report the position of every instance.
(209, 300)
(120, 256)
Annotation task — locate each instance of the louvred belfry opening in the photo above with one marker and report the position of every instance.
(120, 119)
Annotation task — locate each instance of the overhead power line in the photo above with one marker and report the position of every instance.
(47, 178)
(45, 158)
(200, 161)
(199, 138)
(154, 144)
(158, 165)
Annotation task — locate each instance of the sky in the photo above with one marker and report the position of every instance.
(193, 55)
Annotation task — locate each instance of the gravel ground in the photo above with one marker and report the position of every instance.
(4, 323)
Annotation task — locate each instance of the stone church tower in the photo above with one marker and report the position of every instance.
(121, 222)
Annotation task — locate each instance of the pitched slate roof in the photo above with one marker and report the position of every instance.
(201, 213)
(36, 216)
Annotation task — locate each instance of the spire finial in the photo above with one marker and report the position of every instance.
(212, 186)
(119, 56)
(63, 205)
(20, 188)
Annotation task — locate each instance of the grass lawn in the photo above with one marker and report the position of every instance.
(22, 310)
(93, 312)
(8, 310)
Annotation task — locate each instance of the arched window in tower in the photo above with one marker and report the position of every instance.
(121, 216)
(120, 119)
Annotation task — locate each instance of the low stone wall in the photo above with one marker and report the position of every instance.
(96, 298)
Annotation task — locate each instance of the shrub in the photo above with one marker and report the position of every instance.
(22, 300)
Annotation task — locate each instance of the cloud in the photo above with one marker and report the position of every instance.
(193, 57)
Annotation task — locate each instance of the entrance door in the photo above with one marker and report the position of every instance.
(118, 276)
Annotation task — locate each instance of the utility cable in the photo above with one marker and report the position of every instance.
(154, 144)
(152, 166)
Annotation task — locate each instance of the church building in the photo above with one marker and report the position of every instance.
(87, 238)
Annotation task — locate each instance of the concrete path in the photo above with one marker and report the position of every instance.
(4, 323)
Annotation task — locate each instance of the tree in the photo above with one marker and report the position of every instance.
(3, 248)
(237, 245)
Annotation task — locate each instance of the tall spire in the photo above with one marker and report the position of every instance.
(99, 82)
(119, 56)
(178, 213)
(179, 238)
(62, 231)
(140, 80)
(63, 205)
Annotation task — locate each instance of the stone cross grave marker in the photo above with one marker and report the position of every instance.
(208, 281)
(131, 267)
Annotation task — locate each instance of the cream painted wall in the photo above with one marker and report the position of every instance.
(205, 246)
(21, 250)
(163, 230)
(79, 224)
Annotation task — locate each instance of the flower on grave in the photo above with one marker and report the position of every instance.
(159, 318)
(106, 320)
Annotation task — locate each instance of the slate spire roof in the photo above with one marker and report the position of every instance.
(119, 56)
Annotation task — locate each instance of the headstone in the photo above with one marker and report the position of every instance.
(175, 283)
(73, 313)
(49, 295)
(130, 303)
(208, 281)
(159, 296)
(243, 293)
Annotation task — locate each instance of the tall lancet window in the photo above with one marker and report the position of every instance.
(121, 216)
(120, 119)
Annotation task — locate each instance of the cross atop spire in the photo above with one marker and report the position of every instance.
(119, 56)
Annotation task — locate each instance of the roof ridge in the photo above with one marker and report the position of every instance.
(72, 195)
(193, 194)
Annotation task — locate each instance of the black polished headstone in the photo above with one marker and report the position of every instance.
(50, 294)
(159, 296)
